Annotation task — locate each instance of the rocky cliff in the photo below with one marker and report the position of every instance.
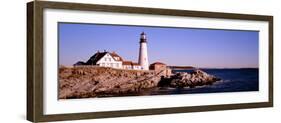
(84, 82)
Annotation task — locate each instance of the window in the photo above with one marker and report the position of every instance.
(109, 59)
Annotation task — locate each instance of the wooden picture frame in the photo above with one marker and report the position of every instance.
(35, 46)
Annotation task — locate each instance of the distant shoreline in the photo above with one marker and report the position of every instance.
(228, 68)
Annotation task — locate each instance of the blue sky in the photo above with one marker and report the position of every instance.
(174, 46)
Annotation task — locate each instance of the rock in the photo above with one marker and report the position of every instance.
(184, 79)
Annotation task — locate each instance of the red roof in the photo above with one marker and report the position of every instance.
(113, 54)
(158, 63)
(130, 63)
(127, 62)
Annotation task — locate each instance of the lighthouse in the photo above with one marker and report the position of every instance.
(143, 58)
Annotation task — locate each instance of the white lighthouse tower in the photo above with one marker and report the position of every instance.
(143, 58)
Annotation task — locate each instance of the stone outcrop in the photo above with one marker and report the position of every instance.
(184, 79)
(84, 82)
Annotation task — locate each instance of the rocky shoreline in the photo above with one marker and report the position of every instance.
(184, 79)
(86, 82)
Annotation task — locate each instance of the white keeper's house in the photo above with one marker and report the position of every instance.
(113, 60)
(107, 59)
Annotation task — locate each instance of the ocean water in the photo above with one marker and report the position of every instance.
(233, 80)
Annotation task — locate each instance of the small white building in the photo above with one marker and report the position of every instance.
(131, 65)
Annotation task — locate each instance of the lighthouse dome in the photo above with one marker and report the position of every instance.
(143, 38)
